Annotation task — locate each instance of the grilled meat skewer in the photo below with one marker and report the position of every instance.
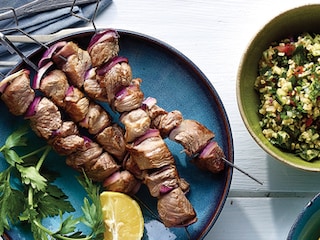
(46, 120)
(82, 110)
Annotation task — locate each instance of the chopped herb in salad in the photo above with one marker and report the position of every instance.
(289, 86)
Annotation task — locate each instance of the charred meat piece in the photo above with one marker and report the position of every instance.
(17, 93)
(74, 61)
(136, 123)
(150, 151)
(211, 158)
(129, 98)
(151, 107)
(67, 145)
(175, 210)
(92, 86)
(162, 181)
(100, 168)
(123, 182)
(66, 139)
(67, 128)
(55, 85)
(45, 117)
(130, 165)
(192, 135)
(184, 185)
(160, 118)
(76, 104)
(112, 140)
(114, 76)
(82, 158)
(103, 46)
(96, 119)
(167, 122)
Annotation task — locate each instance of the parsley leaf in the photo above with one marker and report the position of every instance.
(11, 202)
(30, 176)
(37, 198)
(93, 216)
(52, 202)
(17, 138)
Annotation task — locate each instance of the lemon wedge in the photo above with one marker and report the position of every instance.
(122, 216)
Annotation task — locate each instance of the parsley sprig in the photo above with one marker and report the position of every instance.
(34, 196)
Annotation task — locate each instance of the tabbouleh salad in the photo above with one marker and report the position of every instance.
(289, 88)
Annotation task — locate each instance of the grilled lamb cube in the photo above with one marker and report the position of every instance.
(130, 97)
(123, 182)
(55, 85)
(74, 61)
(130, 165)
(67, 145)
(151, 153)
(162, 181)
(151, 107)
(92, 87)
(167, 122)
(46, 119)
(96, 119)
(76, 104)
(175, 210)
(136, 123)
(116, 78)
(66, 139)
(211, 158)
(100, 168)
(105, 48)
(112, 140)
(192, 135)
(87, 153)
(18, 94)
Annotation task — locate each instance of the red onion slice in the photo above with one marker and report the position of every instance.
(70, 91)
(106, 35)
(125, 91)
(112, 179)
(3, 86)
(150, 133)
(148, 103)
(5, 82)
(32, 108)
(122, 93)
(39, 75)
(208, 149)
(90, 73)
(110, 64)
(165, 189)
(49, 53)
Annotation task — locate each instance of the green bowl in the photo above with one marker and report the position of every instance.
(290, 23)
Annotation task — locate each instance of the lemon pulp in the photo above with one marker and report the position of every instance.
(122, 216)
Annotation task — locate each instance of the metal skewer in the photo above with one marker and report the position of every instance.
(13, 49)
(242, 171)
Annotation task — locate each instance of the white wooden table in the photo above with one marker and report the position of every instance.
(214, 35)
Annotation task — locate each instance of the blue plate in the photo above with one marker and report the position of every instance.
(307, 224)
(176, 83)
